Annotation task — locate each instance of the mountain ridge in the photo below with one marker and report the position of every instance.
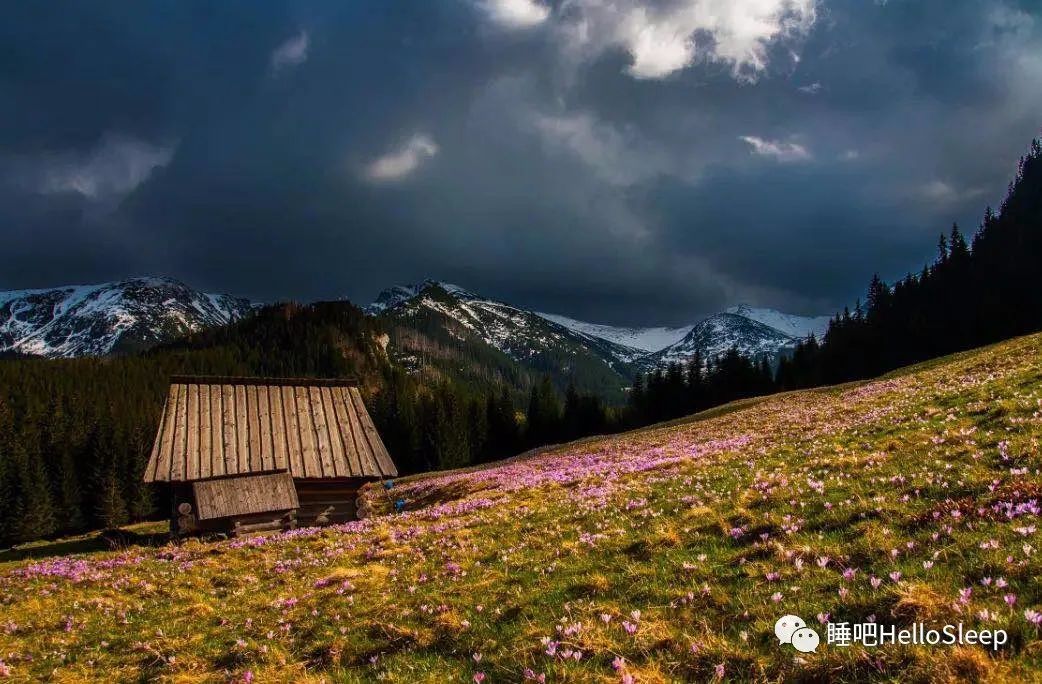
(755, 331)
(648, 339)
(790, 324)
(112, 317)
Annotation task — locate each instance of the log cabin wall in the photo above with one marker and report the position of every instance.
(328, 501)
(321, 502)
(270, 521)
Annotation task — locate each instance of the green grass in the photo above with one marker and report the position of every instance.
(711, 527)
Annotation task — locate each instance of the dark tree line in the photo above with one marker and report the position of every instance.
(451, 425)
(681, 389)
(973, 293)
(75, 434)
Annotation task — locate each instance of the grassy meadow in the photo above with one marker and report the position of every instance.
(665, 554)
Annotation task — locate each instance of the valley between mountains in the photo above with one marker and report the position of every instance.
(663, 554)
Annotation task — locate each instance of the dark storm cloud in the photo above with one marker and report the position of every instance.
(310, 150)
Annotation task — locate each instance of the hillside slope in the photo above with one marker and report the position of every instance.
(665, 554)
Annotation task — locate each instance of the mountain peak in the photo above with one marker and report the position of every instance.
(394, 296)
(716, 334)
(741, 309)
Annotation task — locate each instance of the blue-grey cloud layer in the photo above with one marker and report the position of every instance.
(314, 150)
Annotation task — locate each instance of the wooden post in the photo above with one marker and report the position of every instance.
(182, 518)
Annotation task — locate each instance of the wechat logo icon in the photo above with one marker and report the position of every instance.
(792, 629)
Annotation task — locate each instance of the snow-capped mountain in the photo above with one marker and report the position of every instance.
(773, 333)
(119, 317)
(755, 332)
(644, 339)
(715, 335)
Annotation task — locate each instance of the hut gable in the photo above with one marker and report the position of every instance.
(215, 427)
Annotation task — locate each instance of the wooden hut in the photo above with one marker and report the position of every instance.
(252, 454)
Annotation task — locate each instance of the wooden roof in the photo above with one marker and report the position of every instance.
(221, 426)
(230, 496)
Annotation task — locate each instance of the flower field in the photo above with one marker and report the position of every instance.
(665, 554)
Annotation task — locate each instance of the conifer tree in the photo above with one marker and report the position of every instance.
(33, 508)
(571, 418)
(6, 479)
(70, 492)
(544, 413)
(638, 400)
(958, 249)
(477, 423)
(502, 426)
(695, 382)
(110, 506)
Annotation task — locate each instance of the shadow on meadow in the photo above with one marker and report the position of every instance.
(147, 534)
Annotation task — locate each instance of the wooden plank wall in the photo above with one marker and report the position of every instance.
(237, 496)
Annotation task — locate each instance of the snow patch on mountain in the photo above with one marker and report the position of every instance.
(399, 294)
(754, 332)
(645, 339)
(793, 326)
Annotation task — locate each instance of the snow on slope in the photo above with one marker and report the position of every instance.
(397, 295)
(92, 320)
(646, 339)
(755, 332)
(793, 326)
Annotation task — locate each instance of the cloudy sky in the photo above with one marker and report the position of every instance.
(623, 161)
